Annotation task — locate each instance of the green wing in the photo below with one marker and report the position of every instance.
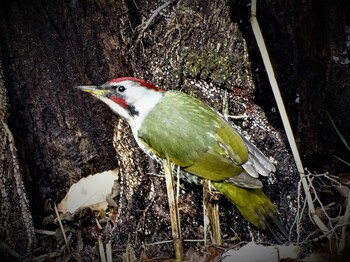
(190, 134)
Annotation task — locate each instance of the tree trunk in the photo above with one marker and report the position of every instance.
(48, 47)
(17, 231)
(308, 42)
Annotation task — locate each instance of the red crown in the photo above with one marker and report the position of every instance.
(140, 81)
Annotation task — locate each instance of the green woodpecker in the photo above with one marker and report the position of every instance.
(175, 126)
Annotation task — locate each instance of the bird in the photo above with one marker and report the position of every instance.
(174, 126)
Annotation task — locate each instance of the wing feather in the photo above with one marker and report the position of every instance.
(193, 136)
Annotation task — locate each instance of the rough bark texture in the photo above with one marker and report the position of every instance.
(308, 42)
(41, 66)
(47, 47)
(16, 228)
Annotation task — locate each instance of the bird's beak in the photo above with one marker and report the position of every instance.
(94, 90)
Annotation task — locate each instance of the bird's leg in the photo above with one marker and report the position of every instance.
(211, 215)
(173, 209)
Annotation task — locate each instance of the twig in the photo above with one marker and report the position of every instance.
(178, 183)
(45, 257)
(238, 116)
(317, 199)
(332, 178)
(325, 234)
(206, 219)
(61, 226)
(45, 232)
(345, 233)
(299, 214)
(170, 241)
(159, 243)
(155, 13)
(332, 234)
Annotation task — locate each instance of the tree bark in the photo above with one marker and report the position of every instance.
(308, 42)
(16, 229)
(48, 47)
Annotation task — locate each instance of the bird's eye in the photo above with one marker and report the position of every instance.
(121, 89)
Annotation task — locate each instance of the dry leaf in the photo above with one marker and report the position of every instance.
(90, 191)
(258, 253)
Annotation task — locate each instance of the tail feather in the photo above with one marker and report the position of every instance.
(272, 233)
(274, 223)
(282, 229)
(255, 207)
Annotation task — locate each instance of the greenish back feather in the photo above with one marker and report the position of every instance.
(190, 134)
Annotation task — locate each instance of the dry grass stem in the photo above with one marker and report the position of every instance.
(211, 215)
(61, 226)
(101, 249)
(271, 75)
(109, 251)
(174, 212)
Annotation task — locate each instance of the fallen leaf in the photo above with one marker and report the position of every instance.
(90, 191)
(259, 253)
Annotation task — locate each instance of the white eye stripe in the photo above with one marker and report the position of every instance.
(113, 83)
